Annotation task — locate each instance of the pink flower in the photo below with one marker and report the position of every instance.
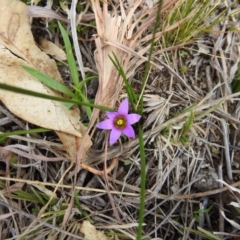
(119, 122)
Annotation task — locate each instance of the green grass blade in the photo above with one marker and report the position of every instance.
(131, 94)
(187, 6)
(3, 136)
(19, 194)
(140, 128)
(209, 234)
(73, 67)
(48, 81)
(81, 95)
(143, 182)
(84, 213)
(23, 132)
(85, 99)
(187, 125)
(38, 196)
(148, 64)
(187, 109)
(204, 233)
(70, 57)
(84, 82)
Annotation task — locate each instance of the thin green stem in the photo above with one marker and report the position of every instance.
(131, 94)
(45, 96)
(148, 64)
(140, 129)
(23, 132)
(143, 181)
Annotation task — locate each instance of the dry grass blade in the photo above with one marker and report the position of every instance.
(117, 28)
(98, 156)
(75, 38)
(111, 27)
(41, 222)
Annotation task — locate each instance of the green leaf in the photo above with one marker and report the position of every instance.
(187, 109)
(187, 125)
(184, 140)
(200, 211)
(204, 233)
(2, 185)
(48, 81)
(127, 162)
(82, 96)
(70, 57)
(39, 197)
(236, 86)
(19, 194)
(208, 234)
(81, 209)
(131, 94)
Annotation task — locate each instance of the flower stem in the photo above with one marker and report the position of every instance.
(140, 129)
(148, 64)
(143, 181)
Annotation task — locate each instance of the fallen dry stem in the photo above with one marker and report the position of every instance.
(226, 148)
(57, 186)
(157, 196)
(98, 172)
(35, 219)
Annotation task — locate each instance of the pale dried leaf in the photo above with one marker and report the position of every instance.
(110, 82)
(13, 188)
(46, 191)
(122, 29)
(91, 233)
(111, 28)
(230, 187)
(235, 204)
(122, 226)
(203, 48)
(157, 107)
(52, 49)
(5, 216)
(15, 34)
(233, 223)
(44, 12)
(4, 154)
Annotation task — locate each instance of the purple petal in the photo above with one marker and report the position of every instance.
(111, 115)
(123, 108)
(114, 136)
(133, 118)
(129, 131)
(106, 124)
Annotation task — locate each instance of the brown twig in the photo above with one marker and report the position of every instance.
(98, 172)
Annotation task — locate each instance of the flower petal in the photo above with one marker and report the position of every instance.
(123, 108)
(128, 131)
(114, 136)
(133, 118)
(106, 124)
(111, 115)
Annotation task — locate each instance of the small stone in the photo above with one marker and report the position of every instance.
(208, 180)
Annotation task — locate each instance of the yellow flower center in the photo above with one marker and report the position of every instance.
(120, 122)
